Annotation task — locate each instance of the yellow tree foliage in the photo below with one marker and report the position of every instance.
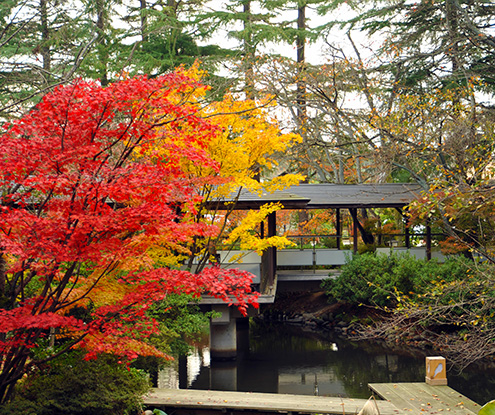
(247, 240)
(249, 141)
(246, 148)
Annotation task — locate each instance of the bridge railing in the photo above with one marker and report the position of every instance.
(310, 252)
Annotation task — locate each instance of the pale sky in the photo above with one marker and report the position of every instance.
(315, 52)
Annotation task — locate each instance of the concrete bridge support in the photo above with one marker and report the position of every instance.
(223, 334)
(229, 333)
(229, 340)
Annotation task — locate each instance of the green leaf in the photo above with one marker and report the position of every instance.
(488, 409)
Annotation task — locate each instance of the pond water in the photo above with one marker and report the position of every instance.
(285, 359)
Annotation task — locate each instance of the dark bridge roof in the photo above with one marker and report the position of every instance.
(324, 196)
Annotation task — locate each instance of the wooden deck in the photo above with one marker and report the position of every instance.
(421, 398)
(177, 400)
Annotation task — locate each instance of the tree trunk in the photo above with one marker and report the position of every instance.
(249, 51)
(367, 238)
(45, 36)
(143, 9)
(103, 56)
(301, 63)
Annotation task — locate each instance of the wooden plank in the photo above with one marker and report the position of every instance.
(447, 394)
(262, 402)
(425, 399)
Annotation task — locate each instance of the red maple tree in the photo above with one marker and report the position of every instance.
(83, 197)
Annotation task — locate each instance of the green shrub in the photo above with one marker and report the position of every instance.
(377, 279)
(180, 318)
(331, 242)
(71, 385)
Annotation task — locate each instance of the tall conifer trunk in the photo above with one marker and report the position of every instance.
(45, 36)
(103, 56)
(143, 7)
(249, 52)
(301, 63)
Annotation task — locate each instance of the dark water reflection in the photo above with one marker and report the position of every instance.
(287, 360)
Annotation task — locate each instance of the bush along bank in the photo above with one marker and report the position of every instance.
(446, 307)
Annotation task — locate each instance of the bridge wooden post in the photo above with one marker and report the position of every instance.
(428, 240)
(407, 234)
(338, 227)
(269, 258)
(353, 212)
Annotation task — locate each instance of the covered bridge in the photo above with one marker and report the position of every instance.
(226, 330)
(327, 196)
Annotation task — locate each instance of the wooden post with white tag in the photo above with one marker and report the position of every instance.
(436, 370)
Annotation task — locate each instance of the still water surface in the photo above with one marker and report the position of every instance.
(288, 360)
